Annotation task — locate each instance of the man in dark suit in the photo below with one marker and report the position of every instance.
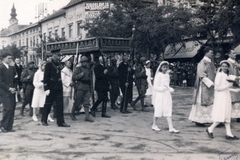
(54, 90)
(7, 92)
(18, 68)
(125, 73)
(101, 87)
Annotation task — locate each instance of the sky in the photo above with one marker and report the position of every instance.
(26, 10)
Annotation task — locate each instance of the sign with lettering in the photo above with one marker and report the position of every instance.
(96, 6)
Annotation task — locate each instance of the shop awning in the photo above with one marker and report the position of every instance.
(180, 51)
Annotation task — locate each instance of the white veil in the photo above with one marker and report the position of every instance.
(156, 75)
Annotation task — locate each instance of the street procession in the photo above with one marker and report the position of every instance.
(120, 79)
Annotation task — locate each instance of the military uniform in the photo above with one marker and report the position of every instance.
(28, 88)
(82, 79)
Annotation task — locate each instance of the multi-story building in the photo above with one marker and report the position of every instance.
(28, 40)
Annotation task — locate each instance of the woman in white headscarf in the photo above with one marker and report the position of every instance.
(162, 99)
(39, 95)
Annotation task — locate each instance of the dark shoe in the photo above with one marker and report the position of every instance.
(12, 130)
(93, 113)
(3, 130)
(144, 110)
(151, 105)
(44, 123)
(104, 115)
(133, 105)
(73, 117)
(146, 105)
(63, 125)
(88, 119)
(238, 120)
(127, 111)
(123, 111)
(210, 135)
(200, 124)
(114, 107)
(232, 138)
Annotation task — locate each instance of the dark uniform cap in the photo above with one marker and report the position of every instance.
(84, 59)
(113, 60)
(56, 51)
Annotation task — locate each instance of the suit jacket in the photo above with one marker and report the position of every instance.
(7, 80)
(123, 74)
(101, 83)
(19, 70)
(52, 77)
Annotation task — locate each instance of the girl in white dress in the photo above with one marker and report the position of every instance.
(162, 99)
(39, 95)
(222, 105)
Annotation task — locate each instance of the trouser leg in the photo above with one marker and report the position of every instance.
(47, 106)
(59, 107)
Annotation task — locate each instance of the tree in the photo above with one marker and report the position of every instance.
(156, 27)
(13, 50)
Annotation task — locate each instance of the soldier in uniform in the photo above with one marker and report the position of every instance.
(113, 79)
(82, 78)
(28, 87)
(141, 83)
(101, 87)
(54, 90)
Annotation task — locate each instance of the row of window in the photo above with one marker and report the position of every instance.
(33, 41)
(63, 34)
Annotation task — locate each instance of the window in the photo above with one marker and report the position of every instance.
(31, 42)
(34, 41)
(27, 42)
(63, 32)
(19, 43)
(37, 41)
(70, 30)
(50, 34)
(79, 31)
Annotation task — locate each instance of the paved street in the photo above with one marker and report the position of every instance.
(122, 137)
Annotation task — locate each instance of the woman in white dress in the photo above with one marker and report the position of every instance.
(162, 99)
(222, 105)
(39, 95)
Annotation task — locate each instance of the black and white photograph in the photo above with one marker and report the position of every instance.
(119, 79)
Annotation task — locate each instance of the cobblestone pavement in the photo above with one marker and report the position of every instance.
(122, 137)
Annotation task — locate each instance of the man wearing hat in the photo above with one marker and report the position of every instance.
(141, 83)
(82, 78)
(54, 90)
(113, 79)
(28, 87)
(234, 70)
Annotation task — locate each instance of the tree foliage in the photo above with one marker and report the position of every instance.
(13, 50)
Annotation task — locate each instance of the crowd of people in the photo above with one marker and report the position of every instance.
(67, 89)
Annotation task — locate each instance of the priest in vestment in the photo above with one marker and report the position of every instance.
(204, 90)
(235, 89)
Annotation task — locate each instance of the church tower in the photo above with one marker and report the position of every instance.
(13, 20)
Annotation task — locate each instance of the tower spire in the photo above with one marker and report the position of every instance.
(13, 13)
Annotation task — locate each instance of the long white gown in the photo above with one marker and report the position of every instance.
(39, 96)
(162, 98)
(222, 106)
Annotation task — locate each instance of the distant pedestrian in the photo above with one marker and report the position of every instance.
(203, 95)
(162, 99)
(7, 92)
(222, 106)
(28, 88)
